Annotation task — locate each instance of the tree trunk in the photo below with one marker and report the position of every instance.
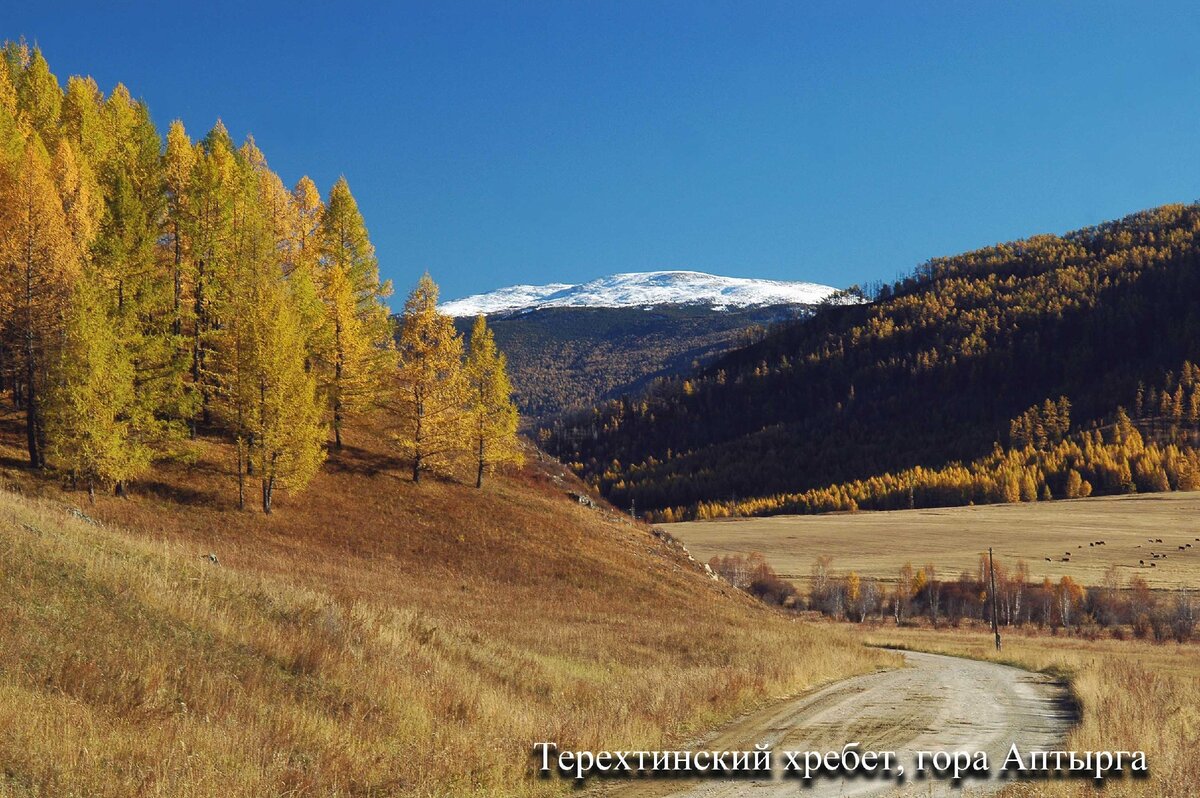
(418, 438)
(241, 478)
(201, 323)
(177, 324)
(479, 473)
(268, 489)
(91, 491)
(337, 385)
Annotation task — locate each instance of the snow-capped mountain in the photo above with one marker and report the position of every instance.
(638, 289)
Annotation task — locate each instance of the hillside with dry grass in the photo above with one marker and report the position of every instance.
(371, 637)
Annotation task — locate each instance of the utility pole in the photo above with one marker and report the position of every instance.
(995, 619)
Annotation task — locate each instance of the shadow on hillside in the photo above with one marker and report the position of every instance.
(355, 460)
(179, 494)
(13, 462)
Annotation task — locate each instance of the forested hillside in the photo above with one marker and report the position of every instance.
(569, 358)
(934, 371)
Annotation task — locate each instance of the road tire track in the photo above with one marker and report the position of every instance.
(935, 703)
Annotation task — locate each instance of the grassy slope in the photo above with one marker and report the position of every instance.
(373, 637)
(1132, 696)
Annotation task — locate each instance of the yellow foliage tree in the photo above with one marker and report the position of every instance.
(362, 346)
(92, 423)
(267, 395)
(40, 265)
(491, 414)
(431, 391)
(303, 269)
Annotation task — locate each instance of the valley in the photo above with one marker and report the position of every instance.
(270, 528)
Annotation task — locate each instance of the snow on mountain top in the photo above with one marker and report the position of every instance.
(638, 289)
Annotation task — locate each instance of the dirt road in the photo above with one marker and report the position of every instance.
(935, 703)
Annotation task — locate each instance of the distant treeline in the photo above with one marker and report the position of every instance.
(930, 374)
(922, 593)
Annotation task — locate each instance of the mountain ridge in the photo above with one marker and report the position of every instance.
(645, 289)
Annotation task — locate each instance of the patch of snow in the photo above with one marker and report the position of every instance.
(644, 289)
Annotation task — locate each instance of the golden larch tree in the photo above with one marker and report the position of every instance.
(303, 269)
(178, 162)
(363, 352)
(431, 391)
(265, 395)
(491, 414)
(92, 428)
(284, 415)
(40, 263)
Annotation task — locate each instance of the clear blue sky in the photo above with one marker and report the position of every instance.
(505, 142)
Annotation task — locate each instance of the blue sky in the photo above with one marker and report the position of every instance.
(506, 142)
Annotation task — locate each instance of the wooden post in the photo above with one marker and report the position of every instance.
(995, 618)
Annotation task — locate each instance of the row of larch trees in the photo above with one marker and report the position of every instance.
(152, 289)
(450, 409)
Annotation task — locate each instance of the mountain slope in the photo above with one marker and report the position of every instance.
(930, 373)
(563, 358)
(637, 289)
(371, 637)
(571, 346)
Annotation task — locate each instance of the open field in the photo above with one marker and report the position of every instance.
(371, 638)
(1132, 695)
(878, 543)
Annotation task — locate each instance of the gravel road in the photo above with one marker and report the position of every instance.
(936, 703)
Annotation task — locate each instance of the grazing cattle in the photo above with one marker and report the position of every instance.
(1153, 565)
(1158, 540)
(1091, 544)
(1066, 559)
(1141, 562)
(1048, 559)
(1181, 548)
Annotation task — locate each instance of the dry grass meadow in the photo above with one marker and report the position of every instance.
(371, 638)
(878, 544)
(1132, 696)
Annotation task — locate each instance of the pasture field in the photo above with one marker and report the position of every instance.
(878, 544)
